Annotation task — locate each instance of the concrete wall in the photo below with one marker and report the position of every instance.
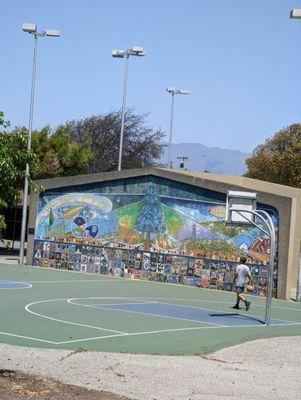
(286, 200)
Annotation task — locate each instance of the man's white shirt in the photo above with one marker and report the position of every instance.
(243, 272)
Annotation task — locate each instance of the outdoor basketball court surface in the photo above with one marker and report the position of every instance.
(59, 309)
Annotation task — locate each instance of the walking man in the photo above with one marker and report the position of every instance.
(241, 274)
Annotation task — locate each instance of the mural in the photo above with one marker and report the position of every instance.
(149, 233)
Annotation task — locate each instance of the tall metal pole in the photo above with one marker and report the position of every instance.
(268, 305)
(25, 192)
(170, 132)
(298, 291)
(296, 14)
(126, 67)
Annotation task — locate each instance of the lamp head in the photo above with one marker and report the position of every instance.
(138, 51)
(296, 13)
(183, 91)
(118, 53)
(53, 33)
(30, 28)
(170, 90)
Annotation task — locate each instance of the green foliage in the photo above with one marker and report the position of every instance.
(278, 160)
(13, 158)
(57, 155)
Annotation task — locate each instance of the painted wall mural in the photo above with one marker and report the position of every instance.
(149, 232)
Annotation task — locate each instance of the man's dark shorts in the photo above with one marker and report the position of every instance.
(240, 289)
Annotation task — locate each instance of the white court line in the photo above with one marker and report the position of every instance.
(122, 304)
(28, 285)
(117, 304)
(64, 321)
(74, 281)
(27, 337)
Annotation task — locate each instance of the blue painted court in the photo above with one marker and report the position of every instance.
(14, 285)
(190, 313)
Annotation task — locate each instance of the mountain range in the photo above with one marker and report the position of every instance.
(211, 159)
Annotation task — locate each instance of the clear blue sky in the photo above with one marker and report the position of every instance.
(241, 60)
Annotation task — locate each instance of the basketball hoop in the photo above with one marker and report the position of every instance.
(240, 201)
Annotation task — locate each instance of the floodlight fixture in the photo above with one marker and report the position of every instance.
(296, 13)
(177, 91)
(170, 90)
(137, 51)
(30, 28)
(52, 33)
(118, 53)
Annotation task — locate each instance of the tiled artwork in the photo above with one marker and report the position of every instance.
(148, 229)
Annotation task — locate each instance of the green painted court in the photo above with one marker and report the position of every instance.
(59, 309)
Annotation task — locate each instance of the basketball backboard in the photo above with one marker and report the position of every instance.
(240, 201)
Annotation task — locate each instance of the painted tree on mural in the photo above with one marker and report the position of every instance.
(151, 217)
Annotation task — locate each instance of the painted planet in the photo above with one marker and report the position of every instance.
(100, 204)
(218, 211)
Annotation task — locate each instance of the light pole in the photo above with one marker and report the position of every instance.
(172, 91)
(134, 51)
(32, 30)
(296, 14)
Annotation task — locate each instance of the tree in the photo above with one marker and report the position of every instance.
(13, 158)
(278, 160)
(151, 217)
(141, 147)
(56, 155)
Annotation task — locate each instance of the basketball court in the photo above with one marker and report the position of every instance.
(59, 309)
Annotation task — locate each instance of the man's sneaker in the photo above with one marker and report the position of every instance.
(236, 307)
(248, 303)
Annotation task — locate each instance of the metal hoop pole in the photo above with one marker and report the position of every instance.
(271, 233)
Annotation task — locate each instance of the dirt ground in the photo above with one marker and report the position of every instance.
(18, 386)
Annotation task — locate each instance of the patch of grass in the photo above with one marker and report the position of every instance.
(76, 351)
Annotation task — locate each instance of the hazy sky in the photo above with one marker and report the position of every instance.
(241, 60)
